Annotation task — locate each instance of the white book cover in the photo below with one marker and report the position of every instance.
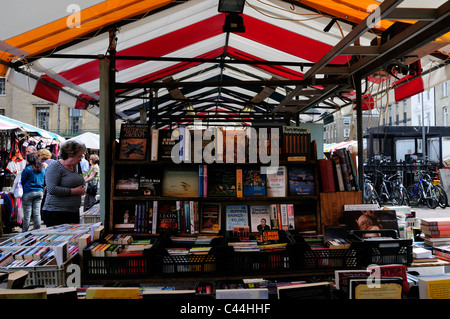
(277, 183)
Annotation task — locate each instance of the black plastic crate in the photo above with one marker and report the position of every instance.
(117, 267)
(262, 261)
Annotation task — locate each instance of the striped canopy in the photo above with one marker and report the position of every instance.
(7, 123)
(51, 49)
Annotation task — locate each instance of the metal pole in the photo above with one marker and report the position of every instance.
(359, 129)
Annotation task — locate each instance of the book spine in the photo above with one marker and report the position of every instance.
(154, 144)
(155, 217)
(205, 181)
(200, 180)
(239, 185)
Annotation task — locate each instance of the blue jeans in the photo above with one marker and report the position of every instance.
(31, 204)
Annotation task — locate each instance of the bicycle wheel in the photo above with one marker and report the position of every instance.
(397, 196)
(414, 195)
(432, 194)
(369, 194)
(443, 199)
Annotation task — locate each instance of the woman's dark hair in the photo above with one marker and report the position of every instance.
(33, 160)
(71, 148)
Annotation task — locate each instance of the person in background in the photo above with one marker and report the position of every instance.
(92, 176)
(32, 179)
(84, 165)
(65, 186)
(45, 157)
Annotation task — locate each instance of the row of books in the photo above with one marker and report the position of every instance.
(436, 231)
(213, 181)
(216, 144)
(191, 217)
(102, 248)
(37, 255)
(338, 173)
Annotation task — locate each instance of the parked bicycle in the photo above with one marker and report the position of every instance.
(424, 191)
(391, 190)
(443, 199)
(370, 195)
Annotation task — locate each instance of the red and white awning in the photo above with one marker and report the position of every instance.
(275, 31)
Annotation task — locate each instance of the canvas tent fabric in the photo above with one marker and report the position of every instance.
(7, 123)
(89, 139)
(275, 31)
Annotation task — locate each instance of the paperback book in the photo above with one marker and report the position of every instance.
(236, 215)
(134, 140)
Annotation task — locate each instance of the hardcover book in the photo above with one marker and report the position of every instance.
(236, 215)
(296, 143)
(254, 183)
(277, 183)
(222, 181)
(134, 140)
(167, 216)
(301, 181)
(210, 218)
(367, 220)
(127, 182)
(150, 183)
(166, 144)
(180, 182)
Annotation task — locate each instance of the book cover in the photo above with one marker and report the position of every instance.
(434, 287)
(385, 288)
(127, 181)
(367, 220)
(167, 216)
(236, 215)
(296, 143)
(180, 182)
(166, 144)
(222, 181)
(150, 183)
(210, 218)
(277, 183)
(260, 218)
(301, 181)
(254, 183)
(134, 140)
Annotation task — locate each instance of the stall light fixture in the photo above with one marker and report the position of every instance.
(234, 22)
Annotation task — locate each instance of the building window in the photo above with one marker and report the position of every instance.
(43, 117)
(346, 132)
(397, 113)
(445, 89)
(405, 110)
(346, 120)
(2, 86)
(75, 118)
(445, 116)
(2, 112)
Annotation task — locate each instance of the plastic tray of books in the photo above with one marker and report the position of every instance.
(381, 250)
(261, 261)
(47, 276)
(120, 266)
(116, 267)
(173, 265)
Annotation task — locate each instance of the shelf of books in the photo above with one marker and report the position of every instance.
(185, 205)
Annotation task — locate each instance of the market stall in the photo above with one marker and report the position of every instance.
(15, 137)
